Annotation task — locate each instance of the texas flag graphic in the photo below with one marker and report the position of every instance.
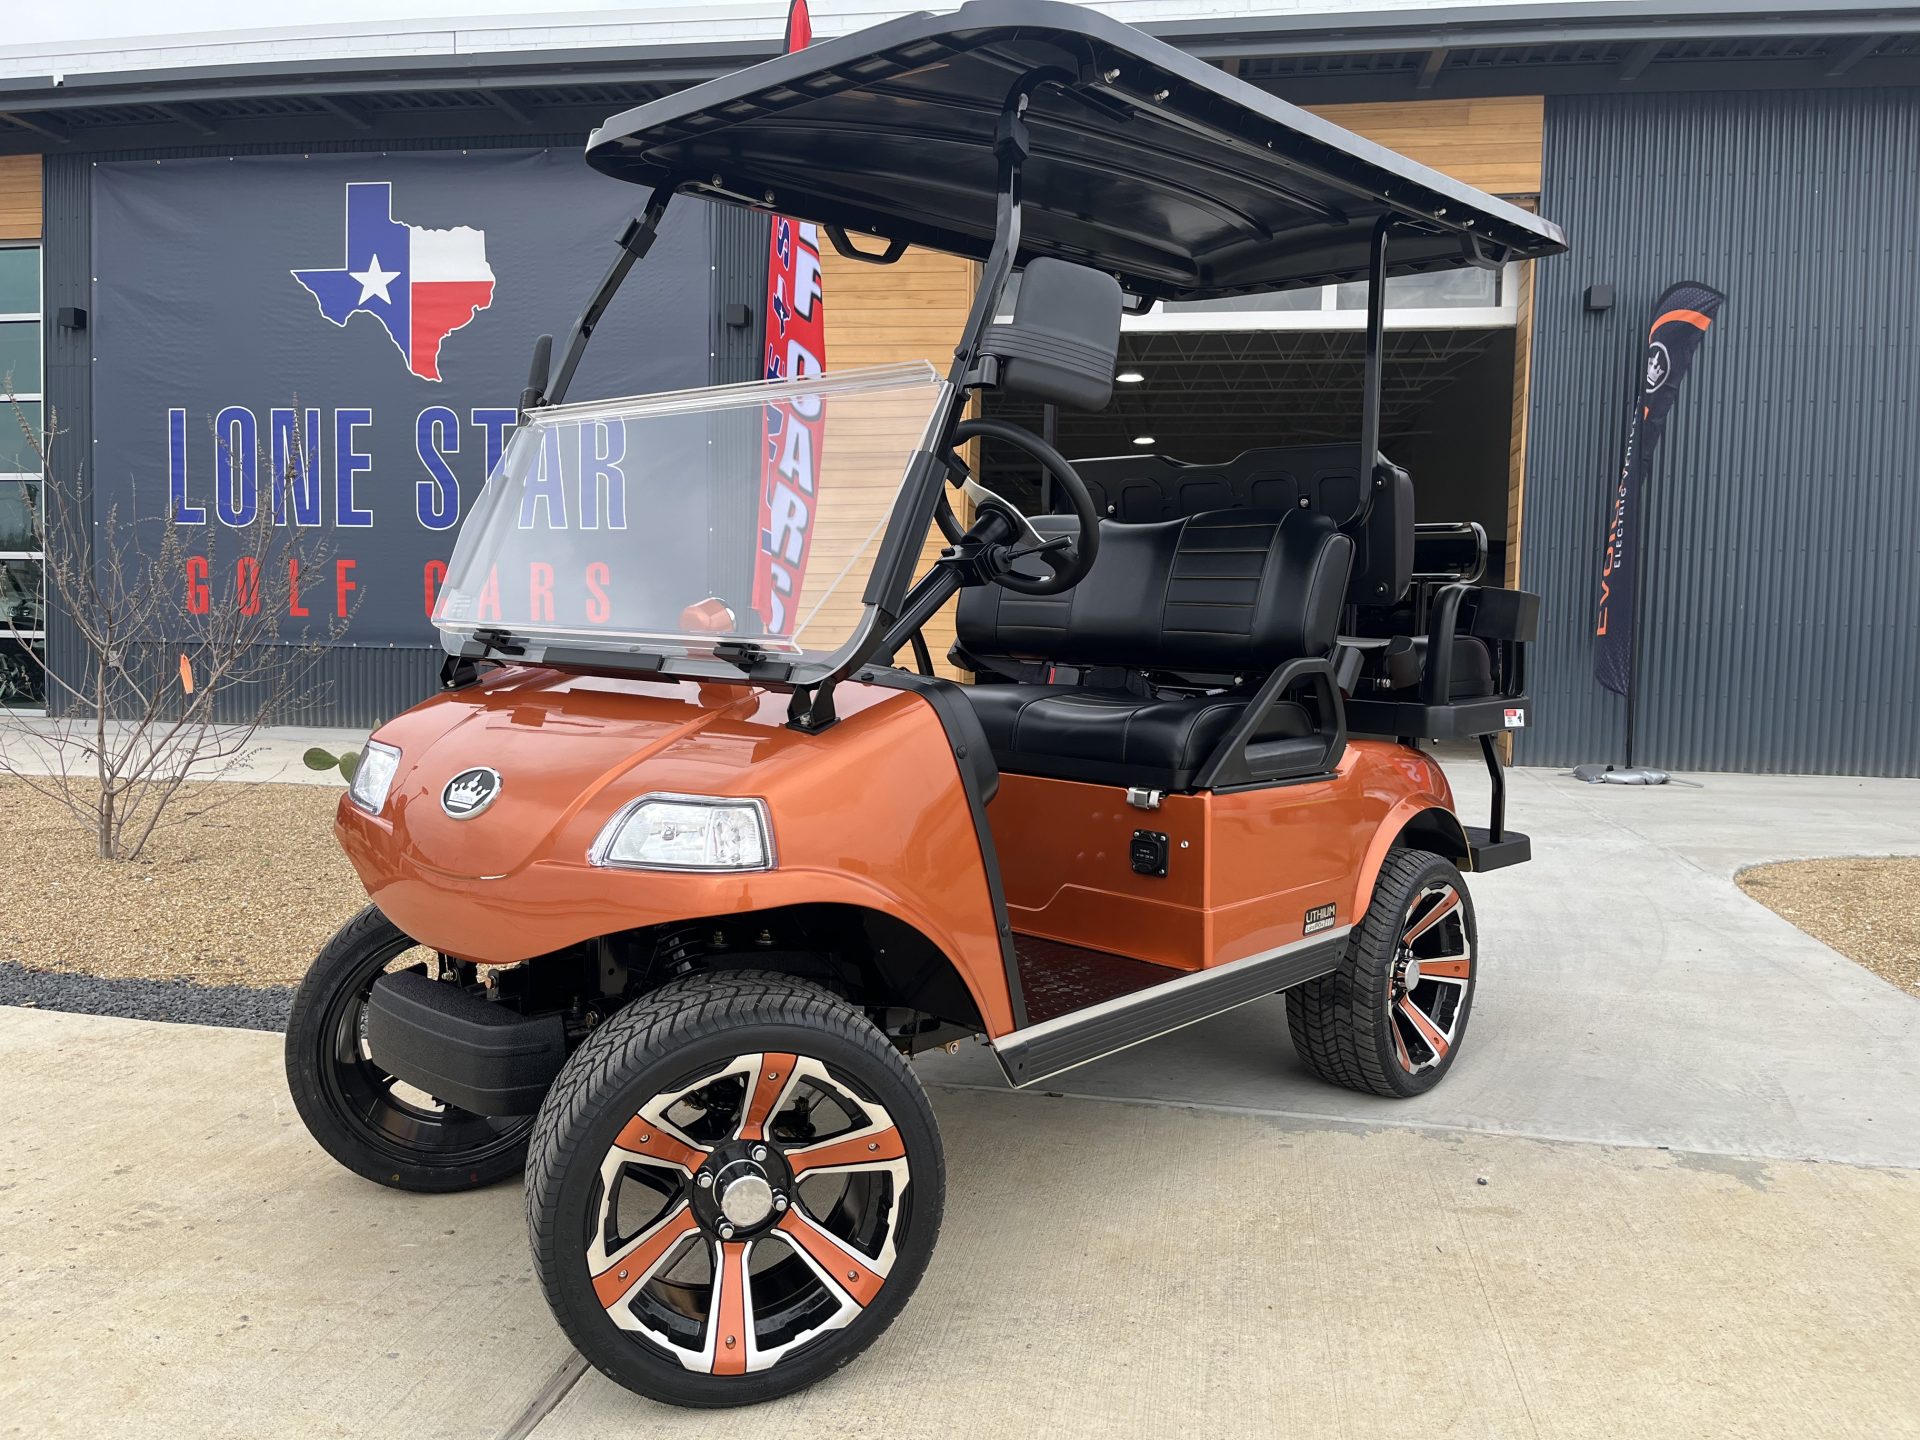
(421, 284)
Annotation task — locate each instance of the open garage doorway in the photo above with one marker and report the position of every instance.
(1206, 382)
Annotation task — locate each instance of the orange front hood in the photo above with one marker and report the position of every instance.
(558, 742)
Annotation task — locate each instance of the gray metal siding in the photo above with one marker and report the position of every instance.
(1781, 549)
(67, 244)
(356, 686)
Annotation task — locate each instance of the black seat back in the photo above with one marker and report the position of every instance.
(1233, 591)
(1321, 478)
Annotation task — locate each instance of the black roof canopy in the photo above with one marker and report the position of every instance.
(1180, 179)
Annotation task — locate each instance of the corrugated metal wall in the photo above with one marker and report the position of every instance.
(357, 687)
(1781, 550)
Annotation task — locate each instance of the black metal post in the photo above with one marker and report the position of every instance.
(1497, 816)
(634, 242)
(1010, 146)
(906, 528)
(1640, 626)
(1049, 432)
(1370, 394)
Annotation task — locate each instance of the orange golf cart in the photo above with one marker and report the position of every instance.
(680, 869)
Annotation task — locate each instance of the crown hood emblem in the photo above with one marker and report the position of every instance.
(470, 792)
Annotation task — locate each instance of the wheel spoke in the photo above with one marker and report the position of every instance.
(1449, 969)
(637, 1261)
(644, 1136)
(773, 1077)
(732, 1313)
(869, 1148)
(1424, 1027)
(1400, 1045)
(1448, 903)
(845, 1267)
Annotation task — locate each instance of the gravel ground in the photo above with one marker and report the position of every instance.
(1867, 909)
(238, 898)
(237, 1007)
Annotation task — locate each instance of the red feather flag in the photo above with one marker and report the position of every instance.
(796, 347)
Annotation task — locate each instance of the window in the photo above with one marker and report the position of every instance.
(1460, 299)
(22, 571)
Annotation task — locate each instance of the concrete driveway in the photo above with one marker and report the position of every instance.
(1192, 1235)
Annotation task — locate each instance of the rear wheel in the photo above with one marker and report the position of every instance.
(370, 1122)
(733, 1188)
(1390, 1020)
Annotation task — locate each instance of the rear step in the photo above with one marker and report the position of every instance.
(1512, 848)
(1083, 1004)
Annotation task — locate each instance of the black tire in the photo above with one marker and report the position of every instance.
(354, 1109)
(675, 1037)
(1350, 1027)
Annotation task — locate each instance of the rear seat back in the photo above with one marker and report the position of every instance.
(1222, 592)
(1322, 478)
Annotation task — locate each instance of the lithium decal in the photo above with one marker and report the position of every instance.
(1320, 917)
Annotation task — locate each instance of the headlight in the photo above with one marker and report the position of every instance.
(687, 832)
(374, 777)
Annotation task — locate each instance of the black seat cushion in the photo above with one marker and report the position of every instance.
(1115, 737)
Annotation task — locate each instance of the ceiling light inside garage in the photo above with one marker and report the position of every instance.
(1128, 377)
(1143, 439)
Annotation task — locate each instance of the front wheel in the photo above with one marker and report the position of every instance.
(373, 1124)
(734, 1186)
(1390, 1020)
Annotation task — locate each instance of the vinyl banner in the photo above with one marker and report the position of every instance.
(796, 348)
(340, 341)
(1681, 318)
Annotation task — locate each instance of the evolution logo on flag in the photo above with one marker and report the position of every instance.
(421, 284)
(796, 348)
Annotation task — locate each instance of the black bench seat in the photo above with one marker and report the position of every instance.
(1231, 594)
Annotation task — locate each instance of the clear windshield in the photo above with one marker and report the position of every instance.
(668, 524)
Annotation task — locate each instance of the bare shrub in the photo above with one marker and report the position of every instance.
(167, 677)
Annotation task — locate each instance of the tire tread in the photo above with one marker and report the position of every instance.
(683, 1011)
(1336, 1021)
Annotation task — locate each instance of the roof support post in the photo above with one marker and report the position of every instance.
(635, 241)
(1376, 352)
(1011, 144)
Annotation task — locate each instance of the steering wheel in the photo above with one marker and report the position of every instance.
(1067, 558)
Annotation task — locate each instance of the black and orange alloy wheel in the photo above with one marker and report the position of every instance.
(1390, 1020)
(1431, 976)
(733, 1188)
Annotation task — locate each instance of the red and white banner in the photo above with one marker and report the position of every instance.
(796, 348)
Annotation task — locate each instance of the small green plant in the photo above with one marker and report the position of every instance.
(346, 764)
